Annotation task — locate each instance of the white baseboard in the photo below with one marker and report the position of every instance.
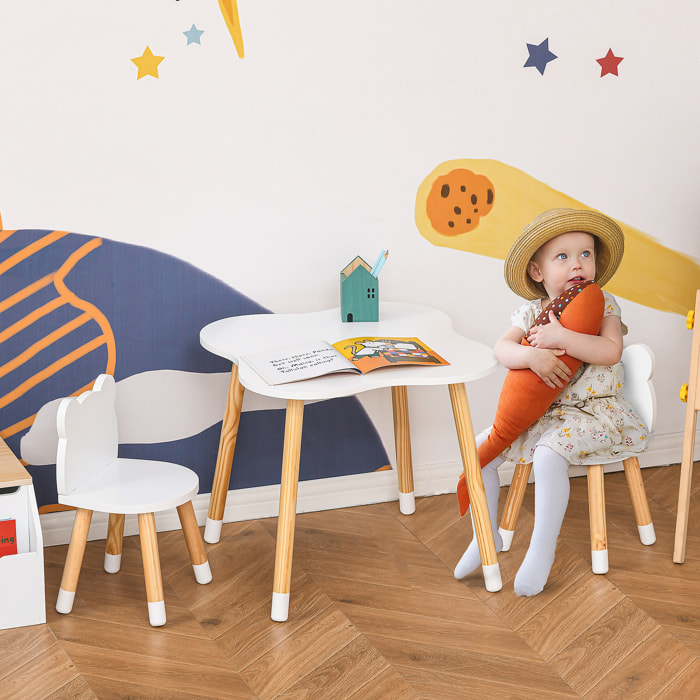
(335, 492)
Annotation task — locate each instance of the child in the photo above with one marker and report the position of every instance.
(589, 419)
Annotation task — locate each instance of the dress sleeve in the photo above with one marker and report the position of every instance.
(525, 316)
(611, 306)
(613, 309)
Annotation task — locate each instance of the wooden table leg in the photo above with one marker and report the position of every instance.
(288, 510)
(402, 440)
(224, 459)
(475, 485)
(115, 537)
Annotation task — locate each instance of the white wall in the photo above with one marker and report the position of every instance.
(310, 149)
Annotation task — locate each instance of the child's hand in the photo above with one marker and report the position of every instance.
(549, 336)
(545, 363)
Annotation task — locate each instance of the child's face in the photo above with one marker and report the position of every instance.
(563, 262)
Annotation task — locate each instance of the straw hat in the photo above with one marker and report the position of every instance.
(610, 245)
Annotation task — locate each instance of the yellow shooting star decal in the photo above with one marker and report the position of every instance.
(481, 206)
(229, 9)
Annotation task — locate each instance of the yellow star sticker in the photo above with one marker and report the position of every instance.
(147, 64)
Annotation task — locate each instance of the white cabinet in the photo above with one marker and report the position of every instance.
(22, 600)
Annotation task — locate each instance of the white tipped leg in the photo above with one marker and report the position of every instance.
(647, 534)
(492, 577)
(280, 607)
(407, 502)
(202, 572)
(113, 563)
(156, 613)
(599, 561)
(212, 531)
(507, 537)
(64, 602)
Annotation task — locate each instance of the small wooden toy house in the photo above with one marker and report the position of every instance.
(359, 292)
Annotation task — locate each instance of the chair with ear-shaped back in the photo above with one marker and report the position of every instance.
(638, 363)
(91, 477)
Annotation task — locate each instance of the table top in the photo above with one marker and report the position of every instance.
(12, 473)
(240, 335)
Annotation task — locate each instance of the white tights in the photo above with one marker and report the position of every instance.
(551, 500)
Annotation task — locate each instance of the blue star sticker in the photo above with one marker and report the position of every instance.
(540, 56)
(193, 35)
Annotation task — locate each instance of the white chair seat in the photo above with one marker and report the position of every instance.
(133, 486)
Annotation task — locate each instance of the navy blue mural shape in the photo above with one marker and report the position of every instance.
(155, 305)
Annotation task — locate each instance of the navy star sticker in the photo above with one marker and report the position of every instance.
(540, 56)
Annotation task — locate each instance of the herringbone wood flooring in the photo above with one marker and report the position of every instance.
(375, 613)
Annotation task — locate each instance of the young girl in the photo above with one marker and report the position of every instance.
(590, 418)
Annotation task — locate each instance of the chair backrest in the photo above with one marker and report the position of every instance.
(639, 361)
(87, 435)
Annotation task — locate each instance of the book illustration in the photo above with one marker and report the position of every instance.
(8, 537)
(367, 354)
(319, 358)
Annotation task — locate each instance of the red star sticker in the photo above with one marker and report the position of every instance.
(609, 63)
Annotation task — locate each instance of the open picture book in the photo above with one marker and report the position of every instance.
(319, 358)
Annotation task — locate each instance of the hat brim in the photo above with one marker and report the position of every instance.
(552, 223)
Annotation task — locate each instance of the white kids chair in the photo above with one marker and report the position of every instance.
(90, 477)
(638, 363)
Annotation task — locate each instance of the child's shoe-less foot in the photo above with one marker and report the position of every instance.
(534, 571)
(471, 559)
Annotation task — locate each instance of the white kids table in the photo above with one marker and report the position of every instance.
(235, 337)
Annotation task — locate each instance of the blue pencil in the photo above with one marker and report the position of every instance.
(380, 262)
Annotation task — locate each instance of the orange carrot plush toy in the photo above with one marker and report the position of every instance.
(525, 397)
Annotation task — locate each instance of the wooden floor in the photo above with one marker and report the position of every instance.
(376, 613)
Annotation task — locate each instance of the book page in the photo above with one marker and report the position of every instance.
(298, 362)
(372, 353)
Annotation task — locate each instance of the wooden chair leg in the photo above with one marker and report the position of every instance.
(514, 501)
(224, 459)
(115, 537)
(402, 440)
(195, 546)
(640, 504)
(74, 560)
(288, 510)
(151, 569)
(596, 513)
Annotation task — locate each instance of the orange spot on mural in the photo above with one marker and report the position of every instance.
(458, 200)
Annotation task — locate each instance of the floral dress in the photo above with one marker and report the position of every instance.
(590, 419)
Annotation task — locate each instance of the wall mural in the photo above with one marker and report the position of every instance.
(539, 56)
(147, 63)
(481, 206)
(74, 306)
